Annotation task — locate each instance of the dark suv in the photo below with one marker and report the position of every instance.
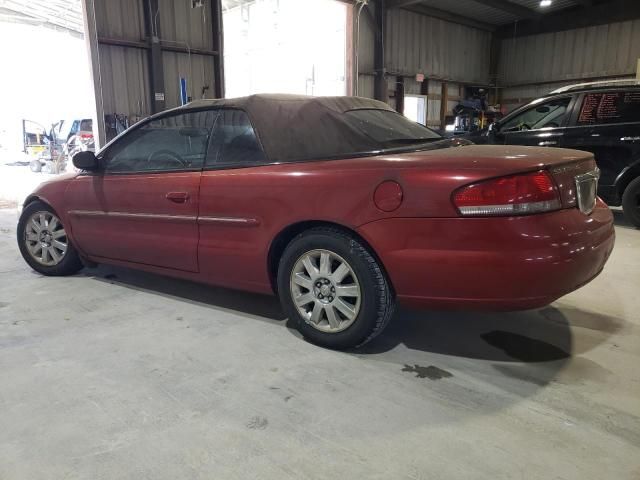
(600, 117)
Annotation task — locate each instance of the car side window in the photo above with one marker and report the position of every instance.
(600, 108)
(544, 115)
(234, 141)
(176, 142)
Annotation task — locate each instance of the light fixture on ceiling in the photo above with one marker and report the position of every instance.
(545, 3)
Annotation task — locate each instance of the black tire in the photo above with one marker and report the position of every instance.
(377, 303)
(35, 166)
(49, 167)
(70, 262)
(631, 202)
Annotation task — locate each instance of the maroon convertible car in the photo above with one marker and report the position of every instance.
(340, 205)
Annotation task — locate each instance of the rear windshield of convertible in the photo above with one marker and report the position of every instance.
(389, 129)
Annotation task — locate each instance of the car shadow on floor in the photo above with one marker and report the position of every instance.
(263, 306)
(533, 336)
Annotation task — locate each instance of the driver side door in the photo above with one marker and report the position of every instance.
(143, 206)
(542, 125)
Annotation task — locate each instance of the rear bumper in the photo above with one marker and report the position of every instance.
(509, 263)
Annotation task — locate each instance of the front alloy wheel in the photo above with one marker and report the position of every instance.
(44, 242)
(45, 238)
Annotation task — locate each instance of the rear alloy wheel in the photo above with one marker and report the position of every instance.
(44, 243)
(334, 289)
(325, 290)
(631, 202)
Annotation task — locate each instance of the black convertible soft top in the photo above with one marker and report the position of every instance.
(297, 127)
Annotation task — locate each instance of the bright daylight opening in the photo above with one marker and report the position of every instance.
(285, 46)
(46, 92)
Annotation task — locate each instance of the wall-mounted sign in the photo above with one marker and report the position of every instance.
(159, 97)
(420, 77)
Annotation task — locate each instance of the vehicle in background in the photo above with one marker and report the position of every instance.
(339, 205)
(64, 139)
(599, 117)
(35, 138)
(470, 122)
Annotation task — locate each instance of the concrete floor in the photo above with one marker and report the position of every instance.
(115, 374)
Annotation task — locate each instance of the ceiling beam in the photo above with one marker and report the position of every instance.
(401, 3)
(510, 7)
(450, 17)
(572, 18)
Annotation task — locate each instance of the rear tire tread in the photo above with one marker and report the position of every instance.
(384, 294)
(630, 206)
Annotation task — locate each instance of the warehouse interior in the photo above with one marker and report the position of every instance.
(115, 372)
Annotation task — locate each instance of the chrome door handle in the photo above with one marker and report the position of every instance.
(177, 197)
(547, 143)
(630, 139)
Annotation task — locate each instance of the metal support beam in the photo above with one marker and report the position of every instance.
(218, 46)
(443, 105)
(378, 51)
(118, 42)
(401, 3)
(510, 7)
(424, 90)
(450, 17)
(400, 95)
(156, 69)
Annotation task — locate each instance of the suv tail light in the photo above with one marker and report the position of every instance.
(513, 195)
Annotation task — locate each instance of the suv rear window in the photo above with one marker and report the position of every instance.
(86, 125)
(610, 107)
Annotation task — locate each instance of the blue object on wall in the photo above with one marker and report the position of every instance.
(183, 91)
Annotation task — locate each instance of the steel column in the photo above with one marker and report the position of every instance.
(218, 46)
(381, 90)
(156, 69)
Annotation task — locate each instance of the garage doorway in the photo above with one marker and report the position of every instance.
(415, 108)
(45, 91)
(285, 46)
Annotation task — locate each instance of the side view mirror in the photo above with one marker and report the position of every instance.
(86, 161)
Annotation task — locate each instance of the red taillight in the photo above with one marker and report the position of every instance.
(514, 195)
(86, 135)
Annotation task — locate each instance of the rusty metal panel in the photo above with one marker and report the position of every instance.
(590, 52)
(197, 69)
(418, 43)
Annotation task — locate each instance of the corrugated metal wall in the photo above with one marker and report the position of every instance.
(599, 51)
(184, 25)
(532, 66)
(124, 69)
(415, 43)
(439, 49)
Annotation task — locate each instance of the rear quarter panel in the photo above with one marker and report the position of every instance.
(243, 210)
